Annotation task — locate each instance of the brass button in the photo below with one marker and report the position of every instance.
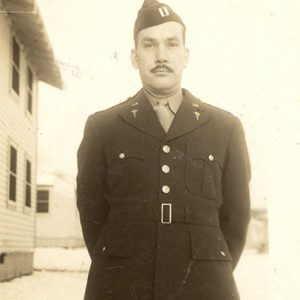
(122, 155)
(165, 169)
(166, 189)
(166, 149)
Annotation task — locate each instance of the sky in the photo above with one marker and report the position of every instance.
(236, 63)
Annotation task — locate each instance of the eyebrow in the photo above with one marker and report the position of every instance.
(173, 38)
(145, 39)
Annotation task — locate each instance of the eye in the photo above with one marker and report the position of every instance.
(148, 45)
(173, 44)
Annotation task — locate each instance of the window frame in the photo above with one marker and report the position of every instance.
(28, 184)
(43, 189)
(29, 90)
(14, 66)
(10, 173)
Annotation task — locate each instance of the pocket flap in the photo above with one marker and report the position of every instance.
(208, 243)
(121, 153)
(208, 153)
(116, 239)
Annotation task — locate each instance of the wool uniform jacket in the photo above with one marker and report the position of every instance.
(164, 215)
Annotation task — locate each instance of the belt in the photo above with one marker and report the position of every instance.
(165, 213)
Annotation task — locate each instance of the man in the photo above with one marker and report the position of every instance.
(163, 182)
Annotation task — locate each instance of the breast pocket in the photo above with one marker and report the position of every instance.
(203, 171)
(125, 171)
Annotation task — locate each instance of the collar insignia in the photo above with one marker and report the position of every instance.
(197, 114)
(134, 112)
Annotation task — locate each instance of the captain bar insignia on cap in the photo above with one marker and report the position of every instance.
(163, 11)
(154, 13)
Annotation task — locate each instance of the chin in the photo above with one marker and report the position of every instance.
(163, 86)
(162, 90)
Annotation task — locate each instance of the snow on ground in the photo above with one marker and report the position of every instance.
(61, 259)
(45, 285)
(251, 276)
(69, 282)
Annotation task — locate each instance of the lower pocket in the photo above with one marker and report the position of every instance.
(116, 239)
(208, 243)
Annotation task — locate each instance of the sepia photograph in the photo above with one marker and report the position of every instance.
(149, 150)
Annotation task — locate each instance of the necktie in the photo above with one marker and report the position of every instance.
(164, 114)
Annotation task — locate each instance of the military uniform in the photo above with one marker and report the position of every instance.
(164, 215)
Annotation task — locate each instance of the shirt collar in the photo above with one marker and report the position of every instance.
(174, 100)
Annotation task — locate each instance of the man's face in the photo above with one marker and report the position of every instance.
(160, 55)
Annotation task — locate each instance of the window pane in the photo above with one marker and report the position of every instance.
(28, 171)
(30, 79)
(28, 195)
(12, 187)
(15, 80)
(16, 53)
(42, 195)
(42, 207)
(13, 159)
(29, 102)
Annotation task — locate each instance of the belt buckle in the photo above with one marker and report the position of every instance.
(162, 219)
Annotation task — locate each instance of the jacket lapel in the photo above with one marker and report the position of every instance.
(190, 115)
(139, 113)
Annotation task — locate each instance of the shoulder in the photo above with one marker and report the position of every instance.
(216, 114)
(107, 113)
(221, 115)
(107, 116)
(217, 110)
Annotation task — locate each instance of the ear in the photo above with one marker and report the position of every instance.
(186, 56)
(134, 59)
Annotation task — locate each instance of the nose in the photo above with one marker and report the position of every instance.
(161, 55)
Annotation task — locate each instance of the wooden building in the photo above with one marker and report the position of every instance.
(26, 57)
(57, 220)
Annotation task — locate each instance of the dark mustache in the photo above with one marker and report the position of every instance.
(161, 66)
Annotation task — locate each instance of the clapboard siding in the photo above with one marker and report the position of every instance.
(19, 128)
(19, 246)
(21, 219)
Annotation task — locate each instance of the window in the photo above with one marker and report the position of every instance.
(28, 184)
(16, 66)
(13, 174)
(29, 90)
(42, 201)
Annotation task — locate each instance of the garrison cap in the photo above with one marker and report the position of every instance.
(153, 13)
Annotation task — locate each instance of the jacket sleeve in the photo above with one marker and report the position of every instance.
(91, 201)
(235, 210)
